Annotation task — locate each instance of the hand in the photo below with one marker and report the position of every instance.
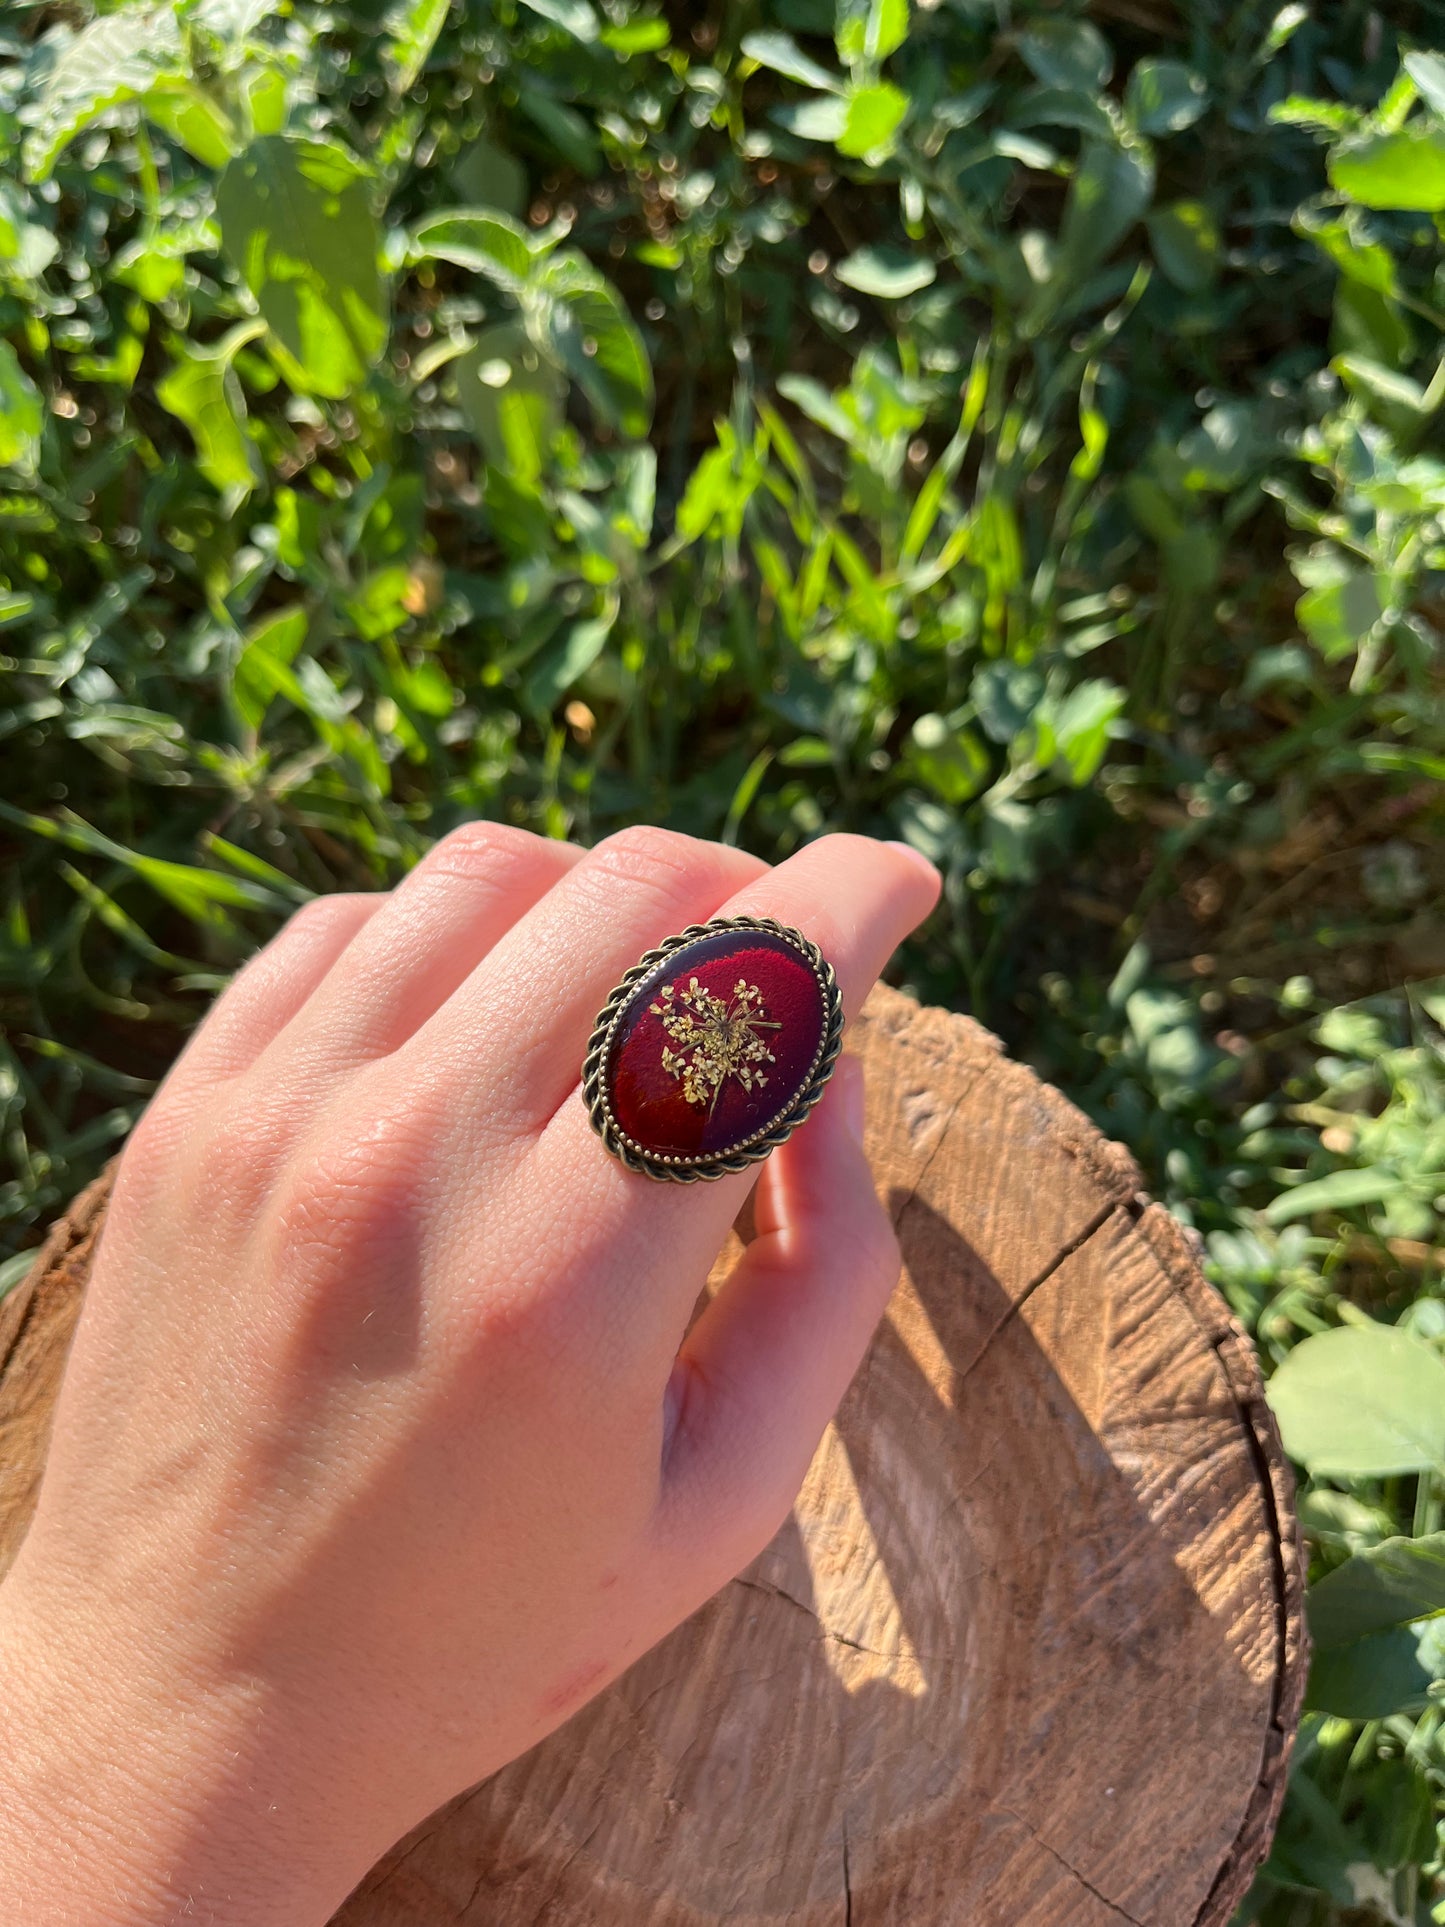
(386, 1440)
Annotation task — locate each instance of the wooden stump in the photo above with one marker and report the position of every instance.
(1028, 1652)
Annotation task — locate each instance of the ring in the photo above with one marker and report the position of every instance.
(713, 1049)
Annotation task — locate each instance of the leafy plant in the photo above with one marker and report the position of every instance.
(1016, 434)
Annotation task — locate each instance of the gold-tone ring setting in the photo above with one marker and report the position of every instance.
(713, 1048)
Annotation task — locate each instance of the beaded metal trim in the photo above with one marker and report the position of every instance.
(707, 1165)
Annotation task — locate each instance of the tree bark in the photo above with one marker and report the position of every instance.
(1029, 1651)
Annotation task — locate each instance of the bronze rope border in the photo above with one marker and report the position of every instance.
(716, 1166)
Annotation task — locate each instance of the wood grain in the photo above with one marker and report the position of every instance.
(1028, 1652)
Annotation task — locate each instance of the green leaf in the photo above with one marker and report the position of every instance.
(874, 117)
(193, 120)
(807, 752)
(949, 759)
(1398, 1820)
(1010, 838)
(572, 16)
(887, 28)
(592, 336)
(821, 119)
(1402, 169)
(248, 864)
(202, 895)
(1216, 454)
(566, 662)
(297, 223)
(1368, 323)
(818, 405)
(1186, 243)
(1082, 725)
(850, 36)
(1428, 73)
(743, 795)
(1367, 262)
(1360, 1402)
(1064, 107)
(512, 399)
(112, 60)
(1370, 1679)
(202, 391)
(232, 21)
(709, 490)
(155, 264)
(1285, 25)
(1024, 149)
(1005, 695)
(1067, 53)
(1375, 1677)
(270, 648)
(1164, 97)
(1389, 391)
(412, 27)
(197, 892)
(782, 54)
(489, 243)
(567, 130)
(264, 89)
(115, 919)
(378, 606)
(1340, 1191)
(1353, 1032)
(1111, 188)
(1338, 615)
(26, 248)
(1387, 1585)
(22, 413)
(489, 177)
(1330, 116)
(889, 273)
(637, 37)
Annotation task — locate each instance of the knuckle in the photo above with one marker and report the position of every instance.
(511, 1322)
(642, 852)
(235, 1156)
(521, 1324)
(340, 1248)
(338, 907)
(479, 851)
(344, 1200)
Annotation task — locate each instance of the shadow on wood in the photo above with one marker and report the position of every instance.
(1028, 1651)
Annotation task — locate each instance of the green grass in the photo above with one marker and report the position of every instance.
(1015, 432)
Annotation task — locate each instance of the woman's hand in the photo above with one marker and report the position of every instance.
(385, 1442)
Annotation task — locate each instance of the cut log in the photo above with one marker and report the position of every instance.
(1028, 1652)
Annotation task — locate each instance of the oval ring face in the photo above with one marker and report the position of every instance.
(713, 1048)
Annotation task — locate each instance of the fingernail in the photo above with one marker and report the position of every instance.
(918, 857)
(854, 1094)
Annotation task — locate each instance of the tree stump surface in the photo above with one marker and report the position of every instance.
(1029, 1650)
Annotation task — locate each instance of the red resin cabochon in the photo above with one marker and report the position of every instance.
(649, 1100)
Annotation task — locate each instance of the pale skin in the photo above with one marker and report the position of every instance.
(388, 1437)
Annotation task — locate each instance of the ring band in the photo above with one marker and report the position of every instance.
(713, 1049)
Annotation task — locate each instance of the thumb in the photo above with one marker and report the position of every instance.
(765, 1367)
